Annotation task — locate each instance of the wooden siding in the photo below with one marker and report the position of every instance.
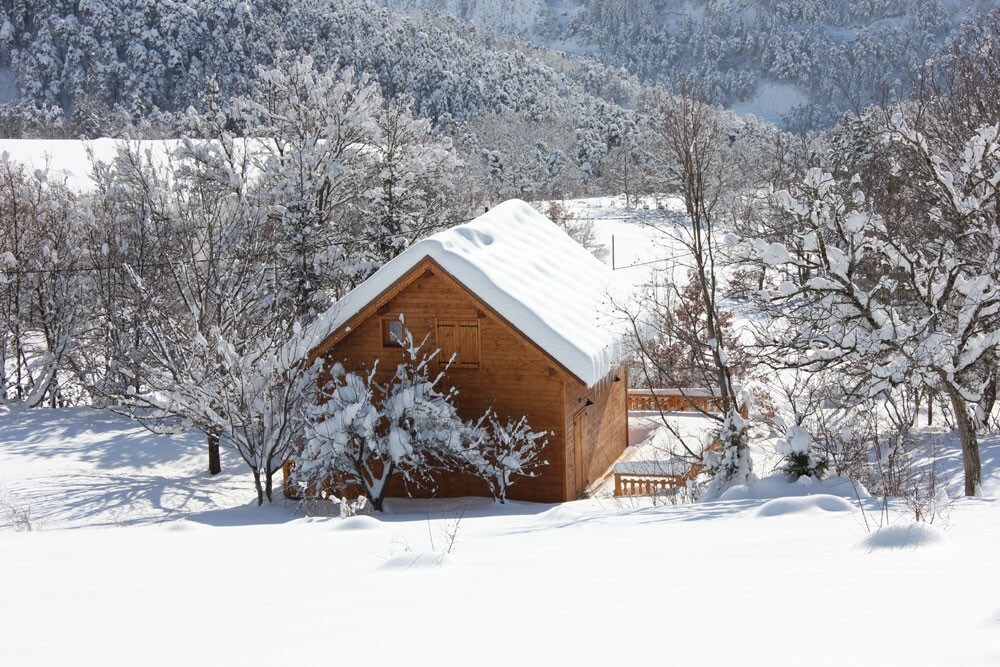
(606, 423)
(513, 376)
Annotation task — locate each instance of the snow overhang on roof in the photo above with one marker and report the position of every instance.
(524, 267)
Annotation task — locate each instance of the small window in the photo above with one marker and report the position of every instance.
(392, 332)
(458, 339)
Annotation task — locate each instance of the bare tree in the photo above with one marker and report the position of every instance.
(43, 310)
(695, 143)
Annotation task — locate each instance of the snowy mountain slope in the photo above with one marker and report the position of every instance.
(503, 16)
(447, 67)
(802, 61)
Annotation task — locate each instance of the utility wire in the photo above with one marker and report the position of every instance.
(180, 262)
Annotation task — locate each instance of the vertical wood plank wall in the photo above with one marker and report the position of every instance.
(513, 377)
(606, 423)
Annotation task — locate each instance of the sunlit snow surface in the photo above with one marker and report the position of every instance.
(198, 575)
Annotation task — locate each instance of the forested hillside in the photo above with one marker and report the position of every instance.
(800, 62)
(139, 59)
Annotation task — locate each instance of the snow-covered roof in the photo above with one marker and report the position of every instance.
(524, 267)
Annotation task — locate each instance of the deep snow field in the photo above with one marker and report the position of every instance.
(137, 556)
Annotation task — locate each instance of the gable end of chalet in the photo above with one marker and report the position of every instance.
(426, 266)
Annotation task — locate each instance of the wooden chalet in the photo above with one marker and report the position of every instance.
(521, 306)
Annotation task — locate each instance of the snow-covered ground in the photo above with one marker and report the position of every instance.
(198, 575)
(80, 467)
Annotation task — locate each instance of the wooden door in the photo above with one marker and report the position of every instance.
(580, 463)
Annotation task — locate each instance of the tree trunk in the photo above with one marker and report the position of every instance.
(268, 484)
(970, 444)
(377, 499)
(989, 401)
(214, 460)
(260, 489)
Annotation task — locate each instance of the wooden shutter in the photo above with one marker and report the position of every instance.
(468, 344)
(459, 338)
(446, 342)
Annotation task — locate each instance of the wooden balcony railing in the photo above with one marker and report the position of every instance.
(647, 478)
(631, 485)
(690, 399)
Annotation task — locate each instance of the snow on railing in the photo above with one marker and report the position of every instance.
(646, 478)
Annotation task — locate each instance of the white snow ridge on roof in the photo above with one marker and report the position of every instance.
(524, 267)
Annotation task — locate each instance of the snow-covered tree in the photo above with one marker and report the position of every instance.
(800, 457)
(43, 287)
(729, 463)
(317, 131)
(129, 236)
(362, 433)
(505, 451)
(248, 394)
(892, 310)
(209, 341)
(409, 185)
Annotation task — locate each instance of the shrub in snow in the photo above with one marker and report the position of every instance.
(505, 451)
(729, 464)
(349, 508)
(799, 458)
(363, 432)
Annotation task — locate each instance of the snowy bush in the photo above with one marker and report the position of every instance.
(799, 458)
(729, 463)
(363, 433)
(506, 450)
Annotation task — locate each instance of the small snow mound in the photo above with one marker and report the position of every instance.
(424, 560)
(358, 522)
(905, 536)
(800, 504)
(183, 526)
(560, 515)
(778, 486)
